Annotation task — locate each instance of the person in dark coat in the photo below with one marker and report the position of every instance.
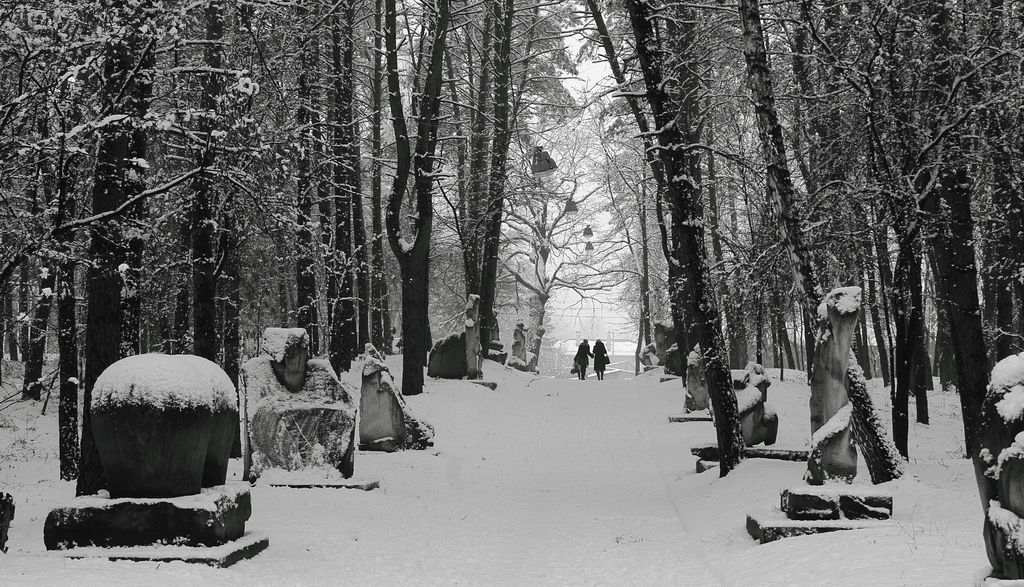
(600, 359)
(582, 359)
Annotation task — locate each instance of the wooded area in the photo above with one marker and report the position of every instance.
(177, 177)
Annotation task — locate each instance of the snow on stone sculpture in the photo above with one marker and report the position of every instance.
(384, 420)
(301, 415)
(833, 456)
(1002, 449)
(519, 342)
(163, 425)
(697, 397)
(758, 420)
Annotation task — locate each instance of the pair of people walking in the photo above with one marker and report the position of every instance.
(582, 359)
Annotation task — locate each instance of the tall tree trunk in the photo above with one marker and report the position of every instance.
(67, 345)
(380, 300)
(412, 245)
(32, 386)
(12, 332)
(204, 262)
(345, 336)
(118, 176)
(306, 118)
(675, 100)
(503, 11)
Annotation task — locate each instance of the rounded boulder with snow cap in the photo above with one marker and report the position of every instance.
(163, 425)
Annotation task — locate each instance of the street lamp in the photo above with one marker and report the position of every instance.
(542, 164)
(570, 206)
(587, 232)
(589, 247)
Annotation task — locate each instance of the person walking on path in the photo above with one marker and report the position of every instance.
(600, 359)
(582, 359)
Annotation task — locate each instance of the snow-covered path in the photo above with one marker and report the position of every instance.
(552, 483)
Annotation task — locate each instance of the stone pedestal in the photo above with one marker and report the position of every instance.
(215, 516)
(815, 509)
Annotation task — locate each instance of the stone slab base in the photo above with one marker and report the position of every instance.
(492, 385)
(703, 465)
(833, 502)
(361, 485)
(213, 517)
(696, 417)
(709, 452)
(773, 525)
(225, 555)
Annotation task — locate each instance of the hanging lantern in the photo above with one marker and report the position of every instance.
(570, 206)
(542, 164)
(587, 232)
(590, 246)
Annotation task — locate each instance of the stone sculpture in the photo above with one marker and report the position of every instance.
(447, 358)
(163, 427)
(519, 342)
(833, 456)
(758, 420)
(385, 423)
(1002, 451)
(697, 397)
(302, 415)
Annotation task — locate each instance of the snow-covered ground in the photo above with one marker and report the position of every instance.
(545, 482)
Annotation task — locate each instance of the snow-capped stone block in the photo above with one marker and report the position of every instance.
(301, 415)
(831, 502)
(163, 425)
(278, 342)
(771, 525)
(215, 516)
(385, 423)
(447, 358)
(224, 555)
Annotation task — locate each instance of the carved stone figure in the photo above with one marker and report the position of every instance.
(302, 415)
(384, 420)
(758, 420)
(697, 397)
(519, 342)
(833, 456)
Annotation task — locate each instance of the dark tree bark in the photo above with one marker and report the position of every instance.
(380, 303)
(67, 345)
(306, 118)
(204, 262)
(876, 321)
(411, 244)
(503, 11)
(345, 324)
(32, 385)
(126, 89)
(12, 332)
